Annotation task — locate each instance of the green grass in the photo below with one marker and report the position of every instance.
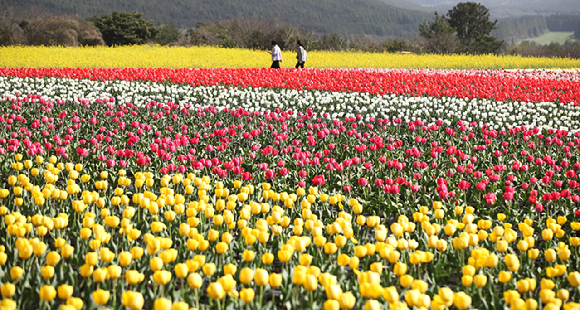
(552, 37)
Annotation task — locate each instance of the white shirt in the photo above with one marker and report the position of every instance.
(276, 53)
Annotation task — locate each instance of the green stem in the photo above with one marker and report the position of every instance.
(261, 295)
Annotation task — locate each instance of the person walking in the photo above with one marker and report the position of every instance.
(301, 55)
(276, 55)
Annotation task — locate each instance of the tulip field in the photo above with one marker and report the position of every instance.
(329, 189)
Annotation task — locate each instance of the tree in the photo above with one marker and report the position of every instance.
(473, 28)
(125, 28)
(10, 32)
(60, 30)
(439, 37)
(168, 33)
(331, 42)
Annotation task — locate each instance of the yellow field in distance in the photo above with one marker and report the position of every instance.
(146, 56)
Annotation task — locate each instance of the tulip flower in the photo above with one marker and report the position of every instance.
(101, 297)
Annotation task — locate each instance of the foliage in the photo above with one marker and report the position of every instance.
(247, 33)
(369, 45)
(563, 23)
(125, 28)
(60, 30)
(9, 30)
(513, 30)
(372, 17)
(212, 57)
(439, 37)
(532, 49)
(473, 28)
(168, 33)
(258, 34)
(331, 42)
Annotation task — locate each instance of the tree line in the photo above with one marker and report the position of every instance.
(466, 28)
(344, 17)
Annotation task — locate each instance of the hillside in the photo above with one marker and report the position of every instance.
(511, 8)
(370, 17)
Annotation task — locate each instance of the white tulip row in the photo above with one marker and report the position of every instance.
(337, 105)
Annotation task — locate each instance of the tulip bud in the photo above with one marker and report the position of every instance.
(47, 293)
(275, 280)
(101, 297)
(8, 290)
(65, 292)
(216, 291)
(247, 295)
(194, 280)
(261, 277)
(347, 300)
(16, 272)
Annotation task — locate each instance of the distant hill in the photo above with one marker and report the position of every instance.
(406, 4)
(379, 18)
(511, 8)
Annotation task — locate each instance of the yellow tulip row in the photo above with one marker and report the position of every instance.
(213, 57)
(210, 219)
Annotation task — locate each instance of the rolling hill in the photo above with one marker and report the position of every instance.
(511, 8)
(380, 18)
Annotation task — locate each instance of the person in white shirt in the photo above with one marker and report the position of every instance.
(276, 55)
(301, 56)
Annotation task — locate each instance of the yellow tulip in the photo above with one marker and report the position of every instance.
(228, 283)
(65, 291)
(247, 295)
(47, 293)
(162, 277)
(261, 277)
(75, 302)
(248, 255)
(216, 291)
(134, 277)
(67, 251)
(267, 258)
(208, 269)
(574, 278)
(480, 280)
(181, 270)
(100, 274)
(8, 290)
(372, 305)
(47, 272)
(275, 280)
(101, 297)
(194, 281)
(310, 283)
(347, 300)
(400, 269)
(461, 300)
(162, 304)
(406, 280)
(133, 300)
(16, 273)
(331, 305)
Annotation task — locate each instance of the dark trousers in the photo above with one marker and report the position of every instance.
(300, 64)
(276, 64)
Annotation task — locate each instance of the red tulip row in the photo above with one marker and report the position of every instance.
(414, 83)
